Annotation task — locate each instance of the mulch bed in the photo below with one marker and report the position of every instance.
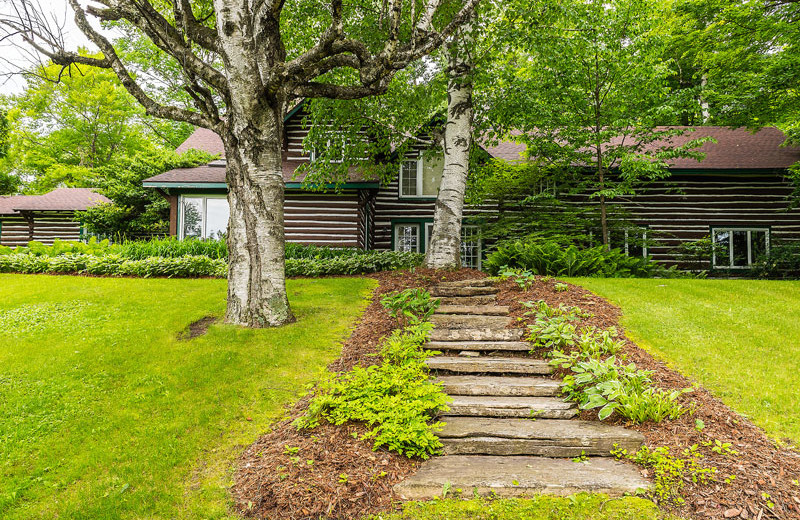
(333, 474)
(764, 471)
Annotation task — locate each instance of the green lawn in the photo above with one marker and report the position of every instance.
(739, 338)
(105, 414)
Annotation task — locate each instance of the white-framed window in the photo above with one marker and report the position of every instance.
(420, 178)
(406, 237)
(471, 246)
(738, 248)
(203, 216)
(632, 241)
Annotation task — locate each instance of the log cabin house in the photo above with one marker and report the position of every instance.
(738, 195)
(45, 217)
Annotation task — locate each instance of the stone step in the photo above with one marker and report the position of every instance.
(519, 476)
(483, 310)
(486, 299)
(475, 282)
(476, 334)
(470, 321)
(492, 365)
(509, 346)
(505, 406)
(545, 437)
(500, 386)
(462, 291)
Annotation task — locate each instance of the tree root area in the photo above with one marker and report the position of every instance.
(328, 471)
(764, 471)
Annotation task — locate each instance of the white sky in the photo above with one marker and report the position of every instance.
(12, 58)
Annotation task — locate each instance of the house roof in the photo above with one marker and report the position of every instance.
(734, 149)
(60, 199)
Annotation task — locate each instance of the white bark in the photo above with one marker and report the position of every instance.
(444, 251)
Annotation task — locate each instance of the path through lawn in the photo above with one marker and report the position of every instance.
(105, 414)
(739, 338)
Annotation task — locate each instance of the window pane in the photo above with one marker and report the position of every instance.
(758, 241)
(432, 169)
(721, 248)
(407, 237)
(217, 213)
(408, 178)
(636, 240)
(470, 247)
(192, 217)
(740, 248)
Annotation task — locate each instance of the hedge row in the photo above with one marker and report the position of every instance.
(198, 266)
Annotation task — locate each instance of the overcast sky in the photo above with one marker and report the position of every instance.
(13, 58)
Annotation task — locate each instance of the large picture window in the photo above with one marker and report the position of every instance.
(420, 177)
(738, 248)
(204, 217)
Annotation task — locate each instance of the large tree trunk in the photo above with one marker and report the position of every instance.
(444, 251)
(256, 247)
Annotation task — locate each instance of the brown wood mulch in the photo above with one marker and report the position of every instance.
(328, 472)
(764, 470)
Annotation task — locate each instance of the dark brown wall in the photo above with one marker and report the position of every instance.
(47, 226)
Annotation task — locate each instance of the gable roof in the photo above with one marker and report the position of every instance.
(60, 199)
(734, 149)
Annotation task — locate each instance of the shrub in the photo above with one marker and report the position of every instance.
(543, 257)
(171, 247)
(410, 305)
(783, 261)
(396, 399)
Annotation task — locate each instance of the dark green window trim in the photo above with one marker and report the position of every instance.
(421, 222)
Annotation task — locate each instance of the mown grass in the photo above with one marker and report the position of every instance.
(578, 507)
(105, 413)
(739, 338)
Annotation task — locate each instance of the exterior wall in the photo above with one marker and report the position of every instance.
(16, 230)
(686, 206)
(324, 219)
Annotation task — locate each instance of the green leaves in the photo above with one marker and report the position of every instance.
(395, 398)
(411, 305)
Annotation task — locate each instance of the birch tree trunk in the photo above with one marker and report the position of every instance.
(253, 145)
(444, 251)
(256, 246)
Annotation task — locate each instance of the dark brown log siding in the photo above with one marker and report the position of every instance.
(685, 207)
(45, 227)
(324, 219)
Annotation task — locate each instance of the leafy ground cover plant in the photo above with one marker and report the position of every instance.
(197, 266)
(396, 399)
(596, 379)
(547, 257)
(410, 305)
(670, 472)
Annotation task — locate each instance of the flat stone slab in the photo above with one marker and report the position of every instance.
(469, 321)
(500, 386)
(485, 310)
(491, 365)
(511, 406)
(486, 299)
(519, 476)
(462, 291)
(545, 437)
(476, 334)
(475, 282)
(510, 346)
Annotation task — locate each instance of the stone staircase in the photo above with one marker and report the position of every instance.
(508, 433)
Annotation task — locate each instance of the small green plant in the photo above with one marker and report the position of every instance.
(523, 279)
(670, 473)
(556, 333)
(396, 398)
(719, 447)
(699, 425)
(410, 305)
(582, 458)
(343, 478)
(560, 287)
(291, 450)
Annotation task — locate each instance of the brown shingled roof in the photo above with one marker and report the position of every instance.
(60, 199)
(735, 149)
